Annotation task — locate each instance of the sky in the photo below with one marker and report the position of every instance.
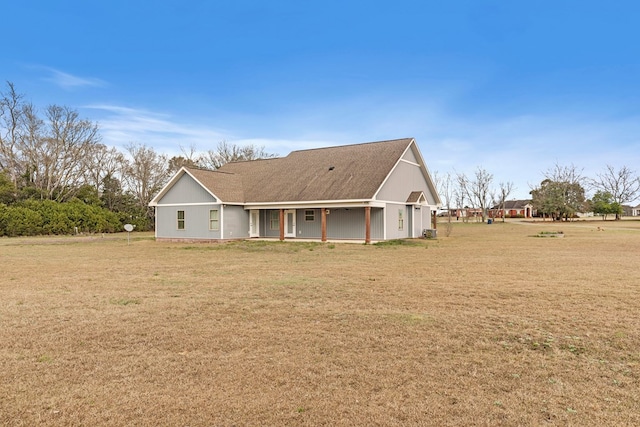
(512, 87)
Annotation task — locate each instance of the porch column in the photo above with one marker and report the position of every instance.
(367, 224)
(281, 224)
(323, 217)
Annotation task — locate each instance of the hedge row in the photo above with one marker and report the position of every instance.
(38, 217)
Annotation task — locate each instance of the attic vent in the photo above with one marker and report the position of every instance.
(331, 168)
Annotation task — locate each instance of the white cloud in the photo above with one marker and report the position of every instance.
(120, 126)
(69, 81)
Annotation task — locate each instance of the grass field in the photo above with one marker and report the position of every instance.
(489, 326)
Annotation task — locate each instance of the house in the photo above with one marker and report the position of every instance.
(635, 211)
(513, 209)
(629, 210)
(466, 212)
(371, 192)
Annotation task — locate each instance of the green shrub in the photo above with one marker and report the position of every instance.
(20, 221)
(35, 217)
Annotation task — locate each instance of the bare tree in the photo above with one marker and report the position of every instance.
(227, 152)
(189, 158)
(177, 162)
(145, 173)
(445, 186)
(11, 127)
(68, 141)
(460, 198)
(623, 184)
(477, 189)
(191, 154)
(31, 142)
(569, 174)
(500, 196)
(462, 195)
(100, 163)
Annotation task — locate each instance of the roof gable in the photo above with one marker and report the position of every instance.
(186, 190)
(416, 197)
(222, 187)
(413, 156)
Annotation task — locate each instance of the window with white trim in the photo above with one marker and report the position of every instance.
(181, 221)
(214, 220)
(309, 215)
(274, 220)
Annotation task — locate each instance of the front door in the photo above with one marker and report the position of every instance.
(254, 223)
(290, 223)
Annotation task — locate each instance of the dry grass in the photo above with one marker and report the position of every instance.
(489, 326)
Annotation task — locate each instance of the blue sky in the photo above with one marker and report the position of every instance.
(513, 87)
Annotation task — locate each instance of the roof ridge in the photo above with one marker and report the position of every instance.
(255, 160)
(209, 170)
(351, 145)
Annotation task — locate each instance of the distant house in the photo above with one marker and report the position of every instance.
(635, 211)
(628, 210)
(513, 209)
(466, 212)
(371, 192)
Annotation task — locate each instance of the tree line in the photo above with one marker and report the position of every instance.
(57, 177)
(561, 194)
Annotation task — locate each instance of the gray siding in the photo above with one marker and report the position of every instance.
(350, 224)
(410, 157)
(309, 229)
(421, 219)
(426, 219)
(185, 191)
(417, 219)
(404, 179)
(393, 215)
(196, 220)
(342, 223)
(265, 224)
(377, 223)
(410, 221)
(345, 224)
(236, 222)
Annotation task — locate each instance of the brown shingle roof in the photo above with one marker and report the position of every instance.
(346, 172)
(414, 196)
(227, 187)
(516, 204)
(513, 204)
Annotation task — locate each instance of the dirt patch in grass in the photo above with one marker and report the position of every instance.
(485, 327)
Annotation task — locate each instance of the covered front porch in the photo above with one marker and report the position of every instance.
(363, 223)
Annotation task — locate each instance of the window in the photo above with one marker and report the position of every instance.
(180, 220)
(214, 220)
(310, 215)
(274, 220)
(400, 219)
